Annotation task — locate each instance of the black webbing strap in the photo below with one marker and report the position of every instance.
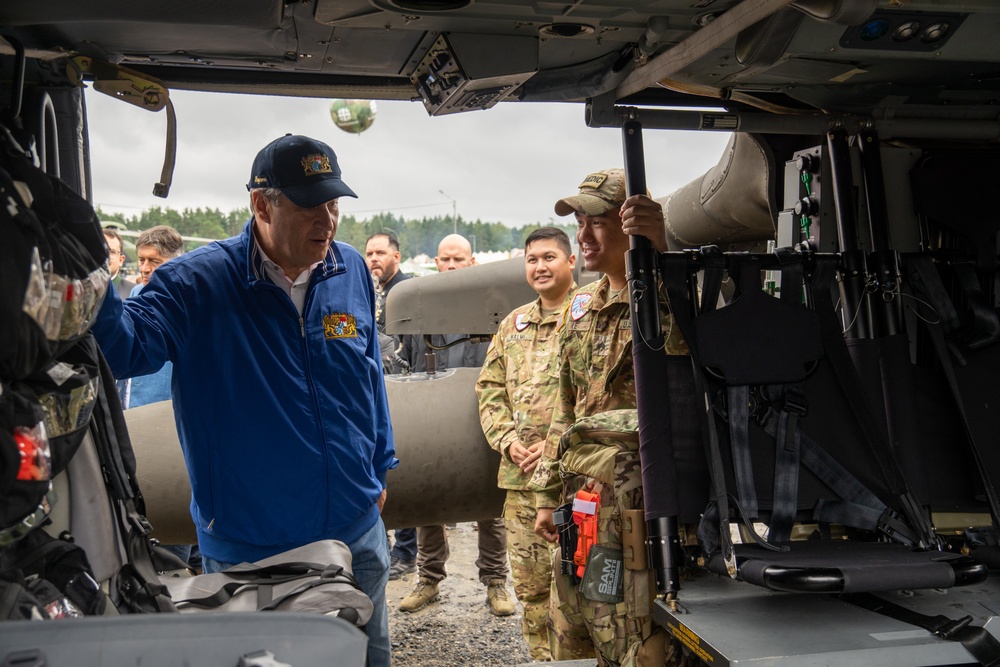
(925, 279)
(853, 391)
(787, 439)
(674, 270)
(271, 605)
(137, 544)
(737, 397)
(265, 578)
(221, 596)
(708, 536)
(105, 437)
(792, 274)
(983, 646)
(713, 273)
(290, 570)
(737, 406)
(738, 409)
(786, 464)
(746, 273)
(858, 506)
(133, 526)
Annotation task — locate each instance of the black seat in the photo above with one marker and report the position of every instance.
(793, 439)
(840, 566)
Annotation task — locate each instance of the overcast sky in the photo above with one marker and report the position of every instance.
(508, 164)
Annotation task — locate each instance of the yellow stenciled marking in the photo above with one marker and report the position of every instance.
(691, 641)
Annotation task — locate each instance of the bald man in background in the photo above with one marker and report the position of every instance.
(455, 252)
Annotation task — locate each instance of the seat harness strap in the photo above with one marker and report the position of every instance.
(983, 646)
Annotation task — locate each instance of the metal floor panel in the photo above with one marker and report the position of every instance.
(728, 622)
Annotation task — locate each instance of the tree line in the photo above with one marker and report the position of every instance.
(416, 236)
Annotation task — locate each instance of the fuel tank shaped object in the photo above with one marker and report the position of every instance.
(733, 202)
(447, 472)
(471, 301)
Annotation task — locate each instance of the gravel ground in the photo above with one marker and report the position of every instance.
(458, 629)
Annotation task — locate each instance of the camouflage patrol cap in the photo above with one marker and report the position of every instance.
(599, 193)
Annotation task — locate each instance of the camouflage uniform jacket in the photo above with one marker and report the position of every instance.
(516, 387)
(595, 372)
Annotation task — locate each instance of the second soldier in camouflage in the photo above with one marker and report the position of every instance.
(516, 391)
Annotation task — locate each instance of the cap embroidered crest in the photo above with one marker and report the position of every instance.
(316, 164)
(305, 170)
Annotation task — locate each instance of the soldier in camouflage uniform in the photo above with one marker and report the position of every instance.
(595, 375)
(516, 388)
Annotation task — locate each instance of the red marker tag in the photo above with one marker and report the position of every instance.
(36, 460)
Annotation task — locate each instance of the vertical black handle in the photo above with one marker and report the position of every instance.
(659, 471)
(640, 261)
(883, 261)
(857, 317)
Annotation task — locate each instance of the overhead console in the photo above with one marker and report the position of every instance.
(465, 72)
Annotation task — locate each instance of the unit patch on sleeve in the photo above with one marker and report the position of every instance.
(579, 307)
(340, 325)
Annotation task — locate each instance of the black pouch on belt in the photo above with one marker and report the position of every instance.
(604, 578)
(562, 517)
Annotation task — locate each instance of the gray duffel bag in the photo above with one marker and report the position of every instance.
(313, 578)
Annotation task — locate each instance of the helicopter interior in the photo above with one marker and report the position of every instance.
(865, 130)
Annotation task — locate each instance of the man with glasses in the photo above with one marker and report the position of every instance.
(116, 259)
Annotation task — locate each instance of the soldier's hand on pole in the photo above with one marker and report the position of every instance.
(644, 217)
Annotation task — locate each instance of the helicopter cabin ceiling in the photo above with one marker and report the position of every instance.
(927, 58)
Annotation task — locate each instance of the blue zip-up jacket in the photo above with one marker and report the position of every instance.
(283, 421)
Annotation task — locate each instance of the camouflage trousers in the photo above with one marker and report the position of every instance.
(623, 633)
(599, 454)
(622, 638)
(547, 634)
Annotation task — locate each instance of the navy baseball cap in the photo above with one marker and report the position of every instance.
(304, 169)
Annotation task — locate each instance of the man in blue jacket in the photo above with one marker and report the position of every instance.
(277, 385)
